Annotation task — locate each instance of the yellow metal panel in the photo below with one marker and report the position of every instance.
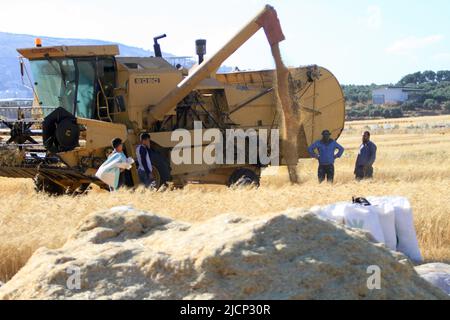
(323, 107)
(146, 63)
(72, 51)
(261, 111)
(146, 89)
(262, 78)
(99, 134)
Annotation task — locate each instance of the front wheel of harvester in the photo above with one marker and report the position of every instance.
(160, 170)
(244, 177)
(44, 185)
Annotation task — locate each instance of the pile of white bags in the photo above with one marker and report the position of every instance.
(389, 220)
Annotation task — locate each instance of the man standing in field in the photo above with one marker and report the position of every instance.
(145, 170)
(326, 154)
(366, 158)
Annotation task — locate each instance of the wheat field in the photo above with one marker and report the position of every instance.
(412, 161)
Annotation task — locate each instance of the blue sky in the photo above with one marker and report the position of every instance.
(362, 42)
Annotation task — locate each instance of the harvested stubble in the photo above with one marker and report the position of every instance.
(411, 165)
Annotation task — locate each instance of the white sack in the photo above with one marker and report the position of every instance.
(106, 177)
(389, 220)
(365, 218)
(334, 212)
(404, 225)
(386, 214)
(106, 172)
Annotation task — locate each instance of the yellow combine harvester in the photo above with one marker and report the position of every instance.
(87, 95)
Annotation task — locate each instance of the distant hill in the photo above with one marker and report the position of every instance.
(10, 79)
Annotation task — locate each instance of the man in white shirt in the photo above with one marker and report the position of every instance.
(110, 170)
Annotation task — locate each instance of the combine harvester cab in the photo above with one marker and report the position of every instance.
(64, 135)
(87, 95)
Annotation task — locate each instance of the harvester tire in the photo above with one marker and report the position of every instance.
(244, 177)
(161, 169)
(41, 184)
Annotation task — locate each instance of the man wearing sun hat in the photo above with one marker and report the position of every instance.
(325, 152)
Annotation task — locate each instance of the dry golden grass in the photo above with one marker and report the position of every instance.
(411, 162)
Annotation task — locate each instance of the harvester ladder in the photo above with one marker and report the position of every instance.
(103, 111)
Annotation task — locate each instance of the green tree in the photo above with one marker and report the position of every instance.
(396, 113)
(386, 113)
(363, 97)
(447, 106)
(413, 79)
(376, 112)
(408, 79)
(430, 76)
(430, 104)
(410, 105)
(443, 75)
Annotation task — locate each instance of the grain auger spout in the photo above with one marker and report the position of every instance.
(266, 19)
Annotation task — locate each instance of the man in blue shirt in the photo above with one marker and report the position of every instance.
(366, 158)
(326, 154)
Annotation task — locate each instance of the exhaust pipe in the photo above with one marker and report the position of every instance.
(266, 19)
(156, 46)
(200, 46)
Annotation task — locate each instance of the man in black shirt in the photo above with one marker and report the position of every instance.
(366, 158)
(144, 162)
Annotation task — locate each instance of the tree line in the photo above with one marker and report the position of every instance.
(432, 97)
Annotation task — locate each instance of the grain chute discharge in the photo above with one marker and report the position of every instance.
(87, 95)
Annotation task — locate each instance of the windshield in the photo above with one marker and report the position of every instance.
(67, 83)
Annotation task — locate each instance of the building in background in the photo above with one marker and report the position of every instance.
(392, 95)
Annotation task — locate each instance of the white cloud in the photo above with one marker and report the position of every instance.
(408, 45)
(374, 19)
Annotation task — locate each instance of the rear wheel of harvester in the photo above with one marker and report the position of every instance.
(44, 185)
(160, 169)
(244, 177)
